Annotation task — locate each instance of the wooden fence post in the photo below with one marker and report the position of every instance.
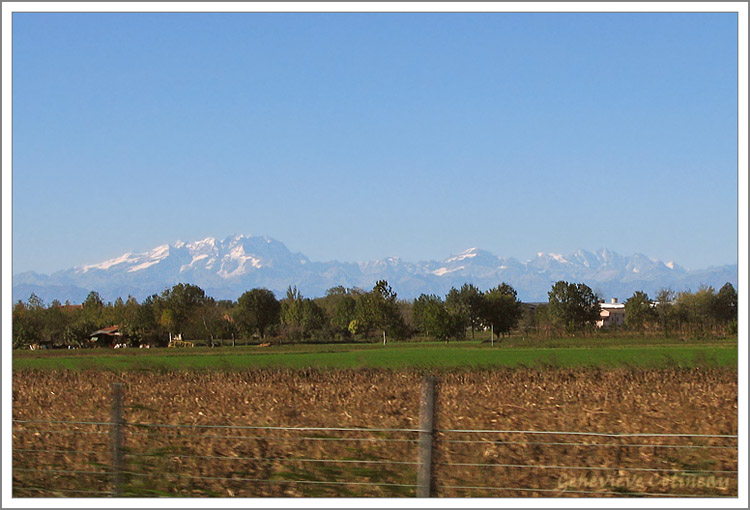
(118, 457)
(425, 488)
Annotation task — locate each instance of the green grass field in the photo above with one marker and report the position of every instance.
(610, 353)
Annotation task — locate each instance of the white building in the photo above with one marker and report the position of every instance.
(611, 314)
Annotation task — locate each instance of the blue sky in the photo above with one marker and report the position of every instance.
(359, 136)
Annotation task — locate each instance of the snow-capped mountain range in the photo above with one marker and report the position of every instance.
(227, 268)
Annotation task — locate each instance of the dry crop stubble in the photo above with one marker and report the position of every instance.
(205, 460)
(673, 401)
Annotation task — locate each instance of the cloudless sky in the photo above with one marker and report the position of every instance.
(359, 136)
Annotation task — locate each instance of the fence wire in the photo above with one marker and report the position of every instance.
(275, 438)
(601, 445)
(588, 468)
(598, 434)
(60, 458)
(613, 464)
(214, 459)
(566, 491)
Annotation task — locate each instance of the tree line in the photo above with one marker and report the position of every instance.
(703, 313)
(573, 309)
(347, 314)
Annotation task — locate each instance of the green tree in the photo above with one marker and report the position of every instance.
(34, 302)
(344, 312)
(501, 309)
(55, 323)
(339, 305)
(291, 308)
(93, 300)
(407, 317)
(639, 311)
(378, 309)
(573, 306)
(426, 312)
(665, 312)
(257, 310)
(469, 303)
(227, 327)
(93, 311)
(126, 318)
(211, 320)
(78, 331)
(27, 324)
(34, 323)
(314, 319)
(147, 324)
(725, 306)
(180, 307)
(696, 311)
(301, 316)
(432, 318)
(114, 314)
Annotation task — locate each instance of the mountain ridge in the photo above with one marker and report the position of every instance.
(226, 268)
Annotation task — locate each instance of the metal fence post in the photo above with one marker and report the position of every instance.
(425, 488)
(118, 457)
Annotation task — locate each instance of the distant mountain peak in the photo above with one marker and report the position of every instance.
(466, 254)
(226, 268)
(475, 255)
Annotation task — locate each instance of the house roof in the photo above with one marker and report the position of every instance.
(109, 330)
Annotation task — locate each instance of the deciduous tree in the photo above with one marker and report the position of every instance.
(257, 310)
(501, 309)
(433, 318)
(27, 325)
(469, 303)
(180, 307)
(301, 316)
(573, 306)
(665, 313)
(725, 305)
(378, 310)
(696, 310)
(639, 311)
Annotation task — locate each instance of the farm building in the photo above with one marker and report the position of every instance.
(110, 336)
(611, 314)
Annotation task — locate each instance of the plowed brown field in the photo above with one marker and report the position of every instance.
(191, 433)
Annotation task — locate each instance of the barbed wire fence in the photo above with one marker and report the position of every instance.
(68, 458)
